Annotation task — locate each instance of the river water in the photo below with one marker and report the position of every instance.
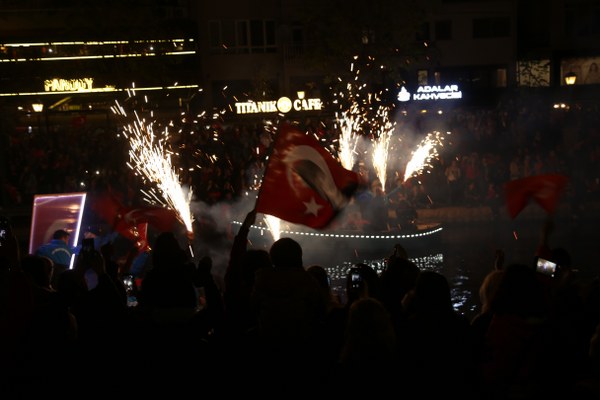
(465, 253)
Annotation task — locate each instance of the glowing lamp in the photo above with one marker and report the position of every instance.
(570, 78)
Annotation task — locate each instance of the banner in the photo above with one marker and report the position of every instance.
(52, 212)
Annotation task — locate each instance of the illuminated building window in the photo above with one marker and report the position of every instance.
(422, 77)
(533, 73)
(501, 77)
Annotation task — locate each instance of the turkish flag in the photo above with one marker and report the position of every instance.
(138, 234)
(108, 207)
(543, 189)
(303, 182)
(161, 218)
(133, 222)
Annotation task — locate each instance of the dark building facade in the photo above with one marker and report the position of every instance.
(224, 55)
(80, 57)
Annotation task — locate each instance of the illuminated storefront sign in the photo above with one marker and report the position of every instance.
(282, 105)
(68, 85)
(434, 92)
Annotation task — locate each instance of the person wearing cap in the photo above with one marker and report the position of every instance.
(59, 251)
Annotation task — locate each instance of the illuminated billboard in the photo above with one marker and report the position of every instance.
(52, 212)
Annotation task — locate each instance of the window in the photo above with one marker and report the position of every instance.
(295, 47)
(533, 73)
(242, 36)
(214, 34)
(422, 77)
(221, 36)
(501, 77)
(423, 33)
(228, 38)
(582, 18)
(443, 30)
(491, 27)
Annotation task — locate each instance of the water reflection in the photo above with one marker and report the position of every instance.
(466, 251)
(430, 262)
(463, 252)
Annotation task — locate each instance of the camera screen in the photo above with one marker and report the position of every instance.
(546, 267)
(128, 281)
(4, 229)
(356, 279)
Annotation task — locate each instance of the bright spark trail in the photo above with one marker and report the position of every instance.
(274, 225)
(381, 145)
(423, 154)
(364, 113)
(150, 156)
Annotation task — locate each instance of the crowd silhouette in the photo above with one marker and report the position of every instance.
(277, 329)
(274, 328)
(520, 137)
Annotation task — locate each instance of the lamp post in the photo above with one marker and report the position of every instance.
(570, 78)
(38, 108)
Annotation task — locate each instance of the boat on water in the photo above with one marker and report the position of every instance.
(342, 244)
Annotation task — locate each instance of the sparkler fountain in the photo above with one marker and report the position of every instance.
(150, 156)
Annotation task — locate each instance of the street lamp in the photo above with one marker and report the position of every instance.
(570, 78)
(38, 108)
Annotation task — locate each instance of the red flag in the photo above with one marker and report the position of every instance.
(108, 207)
(543, 189)
(304, 183)
(161, 218)
(122, 219)
(138, 234)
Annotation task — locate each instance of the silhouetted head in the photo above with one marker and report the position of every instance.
(286, 252)
(61, 234)
(431, 294)
(320, 275)
(38, 269)
(253, 260)
(520, 292)
(167, 251)
(397, 279)
(362, 281)
(71, 286)
(489, 287)
(369, 336)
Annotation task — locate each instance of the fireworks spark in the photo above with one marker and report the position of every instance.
(423, 154)
(363, 111)
(150, 156)
(274, 225)
(381, 145)
(349, 123)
